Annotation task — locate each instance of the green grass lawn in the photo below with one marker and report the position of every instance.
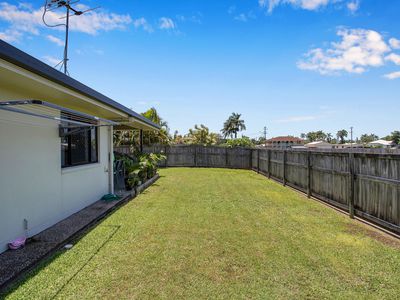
(213, 233)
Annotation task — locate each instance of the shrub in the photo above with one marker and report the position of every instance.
(241, 142)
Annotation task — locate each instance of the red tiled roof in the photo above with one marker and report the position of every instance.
(285, 139)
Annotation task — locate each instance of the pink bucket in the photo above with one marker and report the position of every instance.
(16, 244)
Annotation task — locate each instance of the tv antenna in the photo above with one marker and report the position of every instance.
(51, 5)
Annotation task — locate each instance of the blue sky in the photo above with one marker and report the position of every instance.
(291, 65)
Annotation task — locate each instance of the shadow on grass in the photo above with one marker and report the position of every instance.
(58, 254)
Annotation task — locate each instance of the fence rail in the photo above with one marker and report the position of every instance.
(366, 185)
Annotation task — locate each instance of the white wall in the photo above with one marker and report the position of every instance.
(33, 186)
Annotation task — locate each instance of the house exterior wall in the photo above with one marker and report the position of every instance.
(33, 186)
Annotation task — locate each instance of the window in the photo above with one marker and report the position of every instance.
(79, 146)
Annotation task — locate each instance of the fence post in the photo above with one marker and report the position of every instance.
(258, 160)
(269, 163)
(309, 174)
(352, 179)
(165, 151)
(284, 167)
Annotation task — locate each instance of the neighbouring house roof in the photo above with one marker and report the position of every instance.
(28, 62)
(318, 143)
(381, 142)
(285, 139)
(348, 145)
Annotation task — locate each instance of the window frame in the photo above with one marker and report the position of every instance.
(68, 137)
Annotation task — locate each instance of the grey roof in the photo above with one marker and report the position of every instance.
(17, 57)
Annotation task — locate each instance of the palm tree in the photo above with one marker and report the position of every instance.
(341, 135)
(201, 135)
(152, 114)
(233, 125)
(161, 136)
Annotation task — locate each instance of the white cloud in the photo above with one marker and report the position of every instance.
(10, 35)
(142, 23)
(394, 58)
(392, 76)
(394, 43)
(55, 40)
(25, 19)
(167, 23)
(304, 4)
(358, 50)
(353, 6)
(50, 60)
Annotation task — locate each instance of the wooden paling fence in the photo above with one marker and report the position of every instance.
(200, 156)
(366, 185)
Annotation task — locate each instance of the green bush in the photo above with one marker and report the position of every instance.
(139, 169)
(241, 142)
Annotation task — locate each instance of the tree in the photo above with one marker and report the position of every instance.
(130, 137)
(233, 125)
(329, 137)
(152, 137)
(341, 135)
(314, 136)
(178, 138)
(395, 137)
(201, 135)
(241, 142)
(368, 138)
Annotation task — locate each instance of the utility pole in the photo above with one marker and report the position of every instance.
(351, 136)
(265, 135)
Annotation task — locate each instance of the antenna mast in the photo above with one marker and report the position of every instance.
(51, 5)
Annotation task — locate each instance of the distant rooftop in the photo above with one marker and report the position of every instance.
(285, 139)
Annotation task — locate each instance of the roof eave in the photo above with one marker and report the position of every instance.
(17, 57)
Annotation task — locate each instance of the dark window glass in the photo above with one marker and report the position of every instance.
(79, 146)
